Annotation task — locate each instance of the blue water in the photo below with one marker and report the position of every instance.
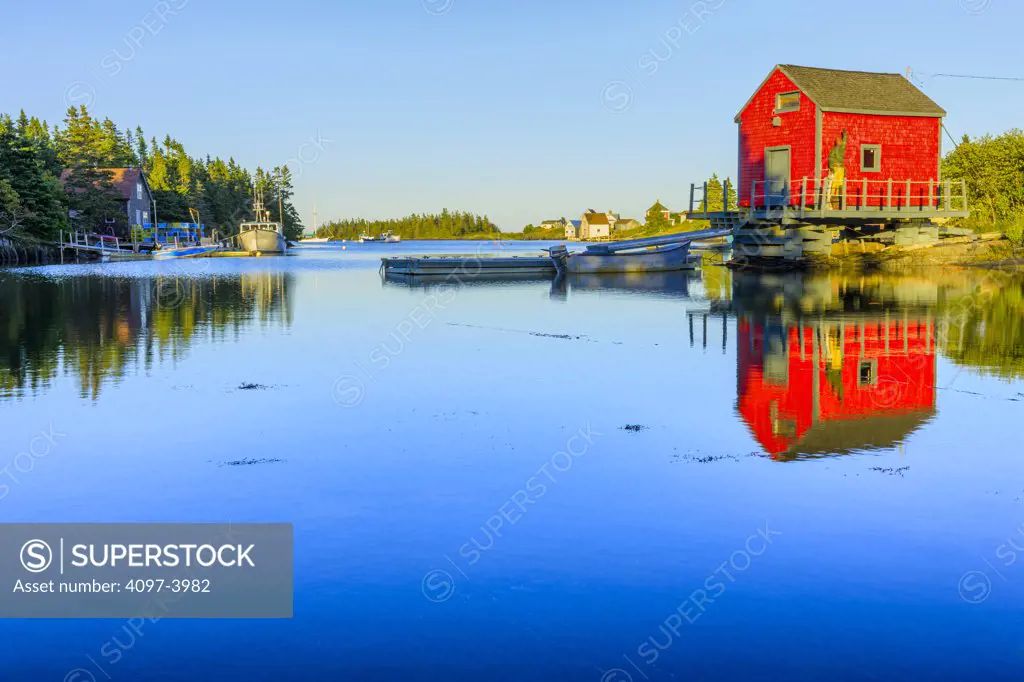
(442, 529)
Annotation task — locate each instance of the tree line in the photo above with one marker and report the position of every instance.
(35, 203)
(445, 225)
(993, 168)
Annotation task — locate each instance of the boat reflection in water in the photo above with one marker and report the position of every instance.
(830, 365)
(95, 329)
(659, 284)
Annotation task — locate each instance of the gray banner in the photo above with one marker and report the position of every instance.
(150, 570)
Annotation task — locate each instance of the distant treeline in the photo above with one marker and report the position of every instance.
(993, 167)
(445, 225)
(34, 203)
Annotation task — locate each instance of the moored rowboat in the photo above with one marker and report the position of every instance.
(668, 258)
(184, 252)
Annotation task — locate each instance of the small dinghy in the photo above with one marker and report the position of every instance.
(668, 258)
(197, 251)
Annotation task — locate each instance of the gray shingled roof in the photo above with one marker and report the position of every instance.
(860, 91)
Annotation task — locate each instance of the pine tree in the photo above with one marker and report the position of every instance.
(655, 219)
(30, 196)
(83, 152)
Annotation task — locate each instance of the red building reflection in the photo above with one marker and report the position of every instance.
(841, 382)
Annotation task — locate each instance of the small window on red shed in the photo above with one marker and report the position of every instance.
(870, 158)
(787, 101)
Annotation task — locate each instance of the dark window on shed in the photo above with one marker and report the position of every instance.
(787, 101)
(867, 372)
(871, 158)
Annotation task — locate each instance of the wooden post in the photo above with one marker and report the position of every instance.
(692, 190)
(863, 192)
(963, 193)
(705, 200)
(803, 195)
(906, 199)
(753, 194)
(946, 197)
(842, 197)
(888, 201)
(725, 195)
(931, 193)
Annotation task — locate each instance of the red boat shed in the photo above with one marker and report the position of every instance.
(789, 128)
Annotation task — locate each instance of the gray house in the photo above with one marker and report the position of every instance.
(136, 198)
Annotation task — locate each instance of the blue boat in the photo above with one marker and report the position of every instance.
(197, 251)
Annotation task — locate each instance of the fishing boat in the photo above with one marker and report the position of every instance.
(261, 235)
(388, 237)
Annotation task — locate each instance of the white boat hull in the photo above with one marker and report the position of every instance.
(264, 241)
(661, 259)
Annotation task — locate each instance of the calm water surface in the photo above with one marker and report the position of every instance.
(821, 476)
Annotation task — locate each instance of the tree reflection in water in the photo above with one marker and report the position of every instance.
(98, 329)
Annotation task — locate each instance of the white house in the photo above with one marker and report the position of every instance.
(594, 226)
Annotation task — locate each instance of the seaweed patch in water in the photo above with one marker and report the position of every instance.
(246, 386)
(634, 428)
(706, 459)
(566, 337)
(890, 471)
(249, 461)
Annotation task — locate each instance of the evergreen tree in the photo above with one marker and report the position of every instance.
(30, 196)
(655, 218)
(714, 196)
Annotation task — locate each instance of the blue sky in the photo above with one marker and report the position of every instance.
(520, 109)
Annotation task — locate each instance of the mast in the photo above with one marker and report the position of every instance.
(280, 203)
(314, 215)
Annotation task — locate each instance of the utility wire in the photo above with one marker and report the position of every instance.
(982, 78)
(912, 74)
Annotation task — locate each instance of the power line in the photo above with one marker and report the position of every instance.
(982, 78)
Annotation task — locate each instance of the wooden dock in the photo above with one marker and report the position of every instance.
(469, 266)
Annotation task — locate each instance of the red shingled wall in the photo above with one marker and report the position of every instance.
(910, 151)
(757, 132)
